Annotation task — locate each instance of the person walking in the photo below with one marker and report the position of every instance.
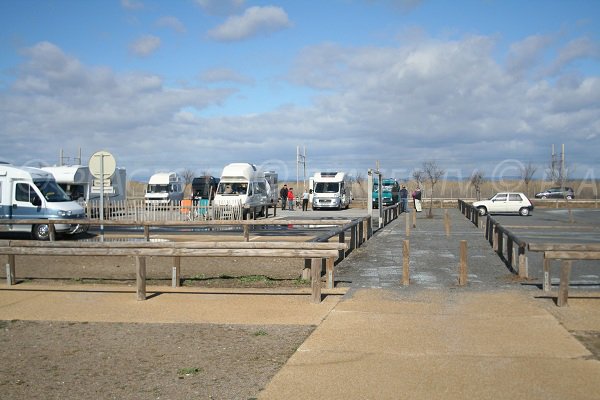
(291, 199)
(417, 199)
(305, 196)
(403, 199)
(283, 193)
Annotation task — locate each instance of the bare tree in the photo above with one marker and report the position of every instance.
(359, 179)
(433, 173)
(419, 176)
(527, 172)
(188, 177)
(476, 181)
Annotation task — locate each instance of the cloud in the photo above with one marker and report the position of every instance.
(145, 45)
(224, 75)
(220, 7)
(171, 23)
(132, 4)
(528, 53)
(254, 21)
(578, 49)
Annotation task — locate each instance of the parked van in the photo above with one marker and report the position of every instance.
(331, 190)
(78, 182)
(390, 192)
(244, 185)
(32, 193)
(164, 188)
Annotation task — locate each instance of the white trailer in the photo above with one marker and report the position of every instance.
(78, 182)
(331, 190)
(164, 188)
(244, 185)
(32, 193)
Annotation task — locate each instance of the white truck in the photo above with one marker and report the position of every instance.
(244, 185)
(78, 182)
(164, 188)
(32, 193)
(331, 190)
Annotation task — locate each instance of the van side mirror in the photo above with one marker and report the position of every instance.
(36, 201)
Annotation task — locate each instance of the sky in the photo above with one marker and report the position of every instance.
(472, 85)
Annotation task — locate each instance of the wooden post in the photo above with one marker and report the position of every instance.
(140, 277)
(342, 239)
(52, 232)
(563, 290)
(306, 270)
(509, 252)
(547, 282)
(407, 222)
(147, 232)
(329, 272)
(10, 270)
(176, 272)
(315, 274)
(447, 222)
(462, 269)
(352, 239)
(406, 263)
(523, 267)
(246, 233)
(361, 234)
(414, 218)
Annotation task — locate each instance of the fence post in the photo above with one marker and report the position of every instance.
(414, 219)
(176, 272)
(342, 239)
(462, 269)
(547, 283)
(140, 277)
(51, 232)
(563, 290)
(406, 263)
(447, 222)
(352, 239)
(306, 270)
(246, 233)
(147, 232)
(329, 272)
(315, 274)
(10, 270)
(523, 265)
(407, 220)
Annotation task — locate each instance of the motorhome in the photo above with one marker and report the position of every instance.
(390, 192)
(244, 185)
(331, 190)
(164, 188)
(204, 187)
(79, 183)
(32, 193)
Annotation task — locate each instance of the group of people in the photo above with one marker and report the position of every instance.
(288, 198)
(416, 196)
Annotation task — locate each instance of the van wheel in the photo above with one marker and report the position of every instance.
(40, 232)
(569, 197)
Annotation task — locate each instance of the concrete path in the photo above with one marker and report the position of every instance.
(434, 340)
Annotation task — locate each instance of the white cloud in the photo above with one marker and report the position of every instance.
(132, 4)
(145, 45)
(171, 23)
(577, 49)
(220, 7)
(254, 21)
(528, 53)
(224, 75)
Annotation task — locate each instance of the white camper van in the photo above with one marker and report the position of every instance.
(331, 190)
(32, 193)
(244, 185)
(164, 188)
(78, 182)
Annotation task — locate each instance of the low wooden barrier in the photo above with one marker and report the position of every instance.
(318, 253)
(567, 253)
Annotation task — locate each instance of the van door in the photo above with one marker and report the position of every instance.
(27, 203)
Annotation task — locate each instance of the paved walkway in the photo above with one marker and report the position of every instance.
(434, 340)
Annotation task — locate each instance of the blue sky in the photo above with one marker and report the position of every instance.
(197, 84)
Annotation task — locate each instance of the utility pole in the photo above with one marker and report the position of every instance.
(300, 159)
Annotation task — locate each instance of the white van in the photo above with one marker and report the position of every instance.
(242, 184)
(164, 188)
(32, 193)
(331, 190)
(78, 182)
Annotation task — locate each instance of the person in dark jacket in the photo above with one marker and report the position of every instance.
(283, 193)
(403, 199)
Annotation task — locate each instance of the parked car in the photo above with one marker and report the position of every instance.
(556, 193)
(506, 202)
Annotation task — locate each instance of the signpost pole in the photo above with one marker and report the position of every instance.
(101, 197)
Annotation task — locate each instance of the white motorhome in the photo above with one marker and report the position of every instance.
(164, 188)
(244, 185)
(32, 193)
(331, 190)
(78, 182)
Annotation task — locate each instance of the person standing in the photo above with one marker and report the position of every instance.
(417, 199)
(305, 196)
(283, 193)
(291, 199)
(403, 199)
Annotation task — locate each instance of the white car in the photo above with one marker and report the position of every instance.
(506, 202)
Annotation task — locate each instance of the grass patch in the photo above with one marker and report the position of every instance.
(254, 278)
(189, 371)
(301, 282)
(261, 332)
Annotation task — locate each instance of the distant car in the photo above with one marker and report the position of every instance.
(506, 202)
(556, 193)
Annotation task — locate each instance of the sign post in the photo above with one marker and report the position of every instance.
(102, 165)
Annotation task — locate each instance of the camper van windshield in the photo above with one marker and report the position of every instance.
(158, 188)
(232, 188)
(51, 191)
(327, 187)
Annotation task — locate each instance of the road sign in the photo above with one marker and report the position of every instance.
(102, 164)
